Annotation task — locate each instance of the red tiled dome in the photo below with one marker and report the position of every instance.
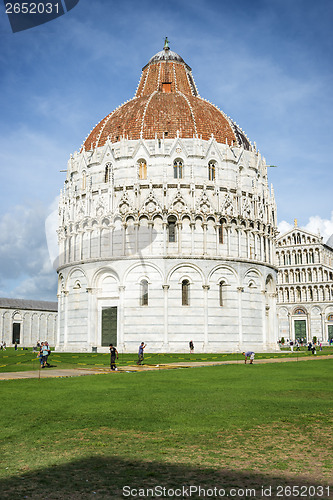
(166, 104)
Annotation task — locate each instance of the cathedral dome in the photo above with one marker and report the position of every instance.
(166, 104)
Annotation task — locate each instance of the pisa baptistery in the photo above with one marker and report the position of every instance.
(167, 227)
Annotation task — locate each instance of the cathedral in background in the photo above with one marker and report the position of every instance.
(305, 286)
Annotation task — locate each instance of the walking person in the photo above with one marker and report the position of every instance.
(40, 355)
(140, 353)
(114, 355)
(191, 345)
(45, 353)
(249, 354)
(48, 352)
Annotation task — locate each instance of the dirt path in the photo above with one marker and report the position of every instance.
(77, 372)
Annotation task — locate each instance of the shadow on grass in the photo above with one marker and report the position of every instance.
(101, 478)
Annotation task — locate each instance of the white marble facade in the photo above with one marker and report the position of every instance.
(27, 322)
(305, 286)
(167, 227)
(118, 231)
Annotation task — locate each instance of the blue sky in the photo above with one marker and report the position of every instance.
(267, 63)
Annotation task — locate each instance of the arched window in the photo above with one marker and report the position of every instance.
(299, 311)
(144, 293)
(142, 169)
(221, 232)
(211, 170)
(178, 169)
(172, 229)
(107, 172)
(222, 286)
(185, 293)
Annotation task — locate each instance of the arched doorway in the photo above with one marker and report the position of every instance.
(300, 325)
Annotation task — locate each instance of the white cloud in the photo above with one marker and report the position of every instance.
(323, 226)
(315, 225)
(284, 227)
(51, 226)
(25, 267)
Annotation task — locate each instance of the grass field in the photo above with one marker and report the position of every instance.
(11, 360)
(232, 426)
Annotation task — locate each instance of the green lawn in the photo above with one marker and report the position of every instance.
(237, 426)
(21, 360)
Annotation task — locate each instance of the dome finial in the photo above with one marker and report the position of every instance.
(166, 44)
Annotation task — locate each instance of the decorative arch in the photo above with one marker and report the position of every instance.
(103, 272)
(184, 265)
(72, 272)
(254, 274)
(299, 311)
(17, 315)
(185, 277)
(146, 265)
(221, 268)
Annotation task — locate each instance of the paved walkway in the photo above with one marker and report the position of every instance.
(77, 372)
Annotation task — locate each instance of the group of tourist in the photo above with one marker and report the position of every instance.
(300, 342)
(114, 355)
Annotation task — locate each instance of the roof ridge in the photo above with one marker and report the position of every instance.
(145, 111)
(191, 109)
